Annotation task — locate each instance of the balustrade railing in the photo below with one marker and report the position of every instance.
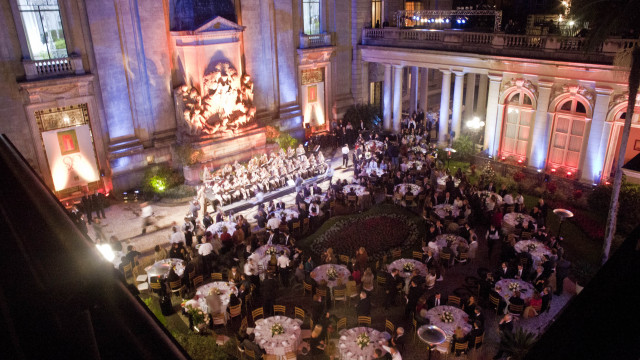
(482, 41)
(35, 69)
(317, 40)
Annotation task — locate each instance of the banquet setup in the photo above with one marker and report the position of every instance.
(255, 279)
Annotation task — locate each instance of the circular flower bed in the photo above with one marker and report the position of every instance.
(377, 233)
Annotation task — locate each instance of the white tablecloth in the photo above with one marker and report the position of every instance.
(374, 145)
(373, 171)
(349, 348)
(278, 344)
(526, 289)
(261, 258)
(161, 268)
(419, 164)
(217, 227)
(540, 250)
(419, 149)
(442, 181)
(459, 319)
(399, 264)
(510, 220)
(441, 241)
(360, 190)
(402, 189)
(320, 198)
(320, 274)
(289, 213)
(487, 195)
(225, 288)
(443, 209)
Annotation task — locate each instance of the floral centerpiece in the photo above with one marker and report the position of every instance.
(216, 291)
(408, 267)
(277, 329)
(332, 273)
(531, 247)
(447, 317)
(197, 316)
(363, 340)
(514, 286)
(271, 251)
(519, 218)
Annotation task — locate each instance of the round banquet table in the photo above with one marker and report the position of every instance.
(443, 209)
(510, 220)
(488, 194)
(207, 289)
(417, 149)
(278, 344)
(261, 258)
(402, 189)
(537, 253)
(526, 289)
(320, 274)
(289, 213)
(349, 349)
(459, 319)
(374, 145)
(409, 165)
(162, 267)
(442, 181)
(441, 241)
(217, 227)
(399, 264)
(373, 171)
(360, 190)
(320, 198)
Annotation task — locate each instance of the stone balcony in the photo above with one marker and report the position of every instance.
(315, 41)
(44, 69)
(498, 44)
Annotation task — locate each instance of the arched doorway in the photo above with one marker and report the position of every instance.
(633, 144)
(568, 134)
(516, 129)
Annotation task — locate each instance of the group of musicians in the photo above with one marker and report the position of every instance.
(236, 182)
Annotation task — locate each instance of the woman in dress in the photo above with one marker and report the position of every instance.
(328, 257)
(367, 280)
(362, 258)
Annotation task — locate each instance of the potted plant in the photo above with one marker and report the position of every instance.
(189, 158)
(516, 344)
(581, 273)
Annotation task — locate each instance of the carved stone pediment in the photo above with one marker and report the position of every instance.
(587, 93)
(54, 89)
(315, 55)
(219, 24)
(520, 83)
(622, 98)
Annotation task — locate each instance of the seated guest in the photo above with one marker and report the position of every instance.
(503, 272)
(470, 306)
(435, 300)
(516, 299)
(459, 337)
(363, 308)
(249, 343)
(476, 331)
(538, 279)
(534, 303)
(160, 253)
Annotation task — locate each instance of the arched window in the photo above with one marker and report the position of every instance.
(568, 134)
(311, 16)
(518, 116)
(43, 28)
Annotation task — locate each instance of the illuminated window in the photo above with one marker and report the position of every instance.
(311, 16)
(568, 135)
(43, 28)
(518, 116)
(376, 13)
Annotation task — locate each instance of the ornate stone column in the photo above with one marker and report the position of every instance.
(386, 98)
(413, 91)
(539, 141)
(397, 96)
(594, 156)
(456, 117)
(491, 131)
(444, 106)
(482, 95)
(469, 97)
(424, 89)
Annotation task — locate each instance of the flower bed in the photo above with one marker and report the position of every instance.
(378, 233)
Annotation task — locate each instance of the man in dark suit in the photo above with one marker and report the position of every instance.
(503, 272)
(435, 300)
(412, 299)
(269, 291)
(562, 270)
(364, 305)
(505, 326)
(477, 318)
(399, 339)
(428, 259)
(539, 278)
(546, 299)
(516, 299)
(390, 288)
(476, 331)
(520, 273)
(98, 200)
(87, 206)
(464, 231)
(317, 309)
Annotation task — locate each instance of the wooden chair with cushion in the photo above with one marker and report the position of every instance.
(257, 314)
(396, 254)
(445, 259)
(269, 357)
(250, 354)
(478, 341)
(453, 301)
(516, 309)
(460, 348)
(128, 271)
(216, 276)
(342, 324)
(495, 301)
(321, 292)
(197, 281)
(364, 321)
(176, 287)
(299, 314)
(235, 311)
(389, 327)
(279, 309)
(339, 295)
(417, 255)
(381, 280)
(290, 356)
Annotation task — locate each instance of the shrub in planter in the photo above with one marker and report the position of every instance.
(464, 147)
(285, 140)
(160, 178)
(369, 114)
